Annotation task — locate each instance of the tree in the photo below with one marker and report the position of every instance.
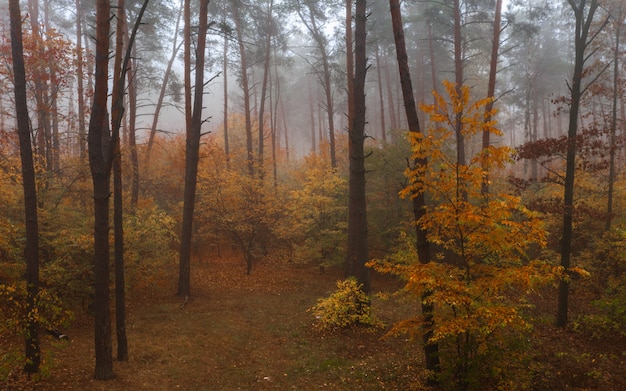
(99, 161)
(482, 247)
(357, 254)
(582, 39)
(102, 143)
(31, 250)
(312, 16)
(431, 350)
(491, 88)
(235, 5)
(192, 155)
(117, 94)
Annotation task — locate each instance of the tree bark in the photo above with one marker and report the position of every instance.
(117, 112)
(192, 156)
(98, 139)
(349, 63)
(31, 250)
(357, 252)
(431, 350)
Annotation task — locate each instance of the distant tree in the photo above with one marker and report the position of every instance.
(31, 250)
(313, 15)
(357, 252)
(583, 36)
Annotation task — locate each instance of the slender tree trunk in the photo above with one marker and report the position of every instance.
(31, 250)
(431, 350)
(390, 103)
(612, 137)
(192, 156)
(117, 112)
(431, 53)
(282, 112)
(166, 77)
(491, 90)
(349, 63)
(458, 73)
(581, 42)
(80, 81)
(357, 205)
(383, 128)
(312, 117)
(225, 71)
(266, 72)
(132, 134)
(244, 85)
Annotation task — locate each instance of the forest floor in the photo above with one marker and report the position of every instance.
(240, 332)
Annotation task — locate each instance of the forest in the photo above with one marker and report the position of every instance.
(312, 194)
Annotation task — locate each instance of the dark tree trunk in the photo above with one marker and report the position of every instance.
(99, 158)
(581, 42)
(431, 350)
(357, 207)
(31, 251)
(349, 63)
(191, 157)
(117, 112)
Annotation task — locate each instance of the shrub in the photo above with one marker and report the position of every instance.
(348, 306)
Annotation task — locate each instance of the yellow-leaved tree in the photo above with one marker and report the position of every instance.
(482, 273)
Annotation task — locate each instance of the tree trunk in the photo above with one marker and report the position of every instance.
(458, 74)
(117, 112)
(100, 172)
(244, 85)
(349, 63)
(612, 137)
(431, 350)
(581, 42)
(390, 103)
(166, 76)
(79, 77)
(491, 89)
(192, 156)
(357, 252)
(31, 250)
(266, 73)
(381, 100)
(225, 70)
